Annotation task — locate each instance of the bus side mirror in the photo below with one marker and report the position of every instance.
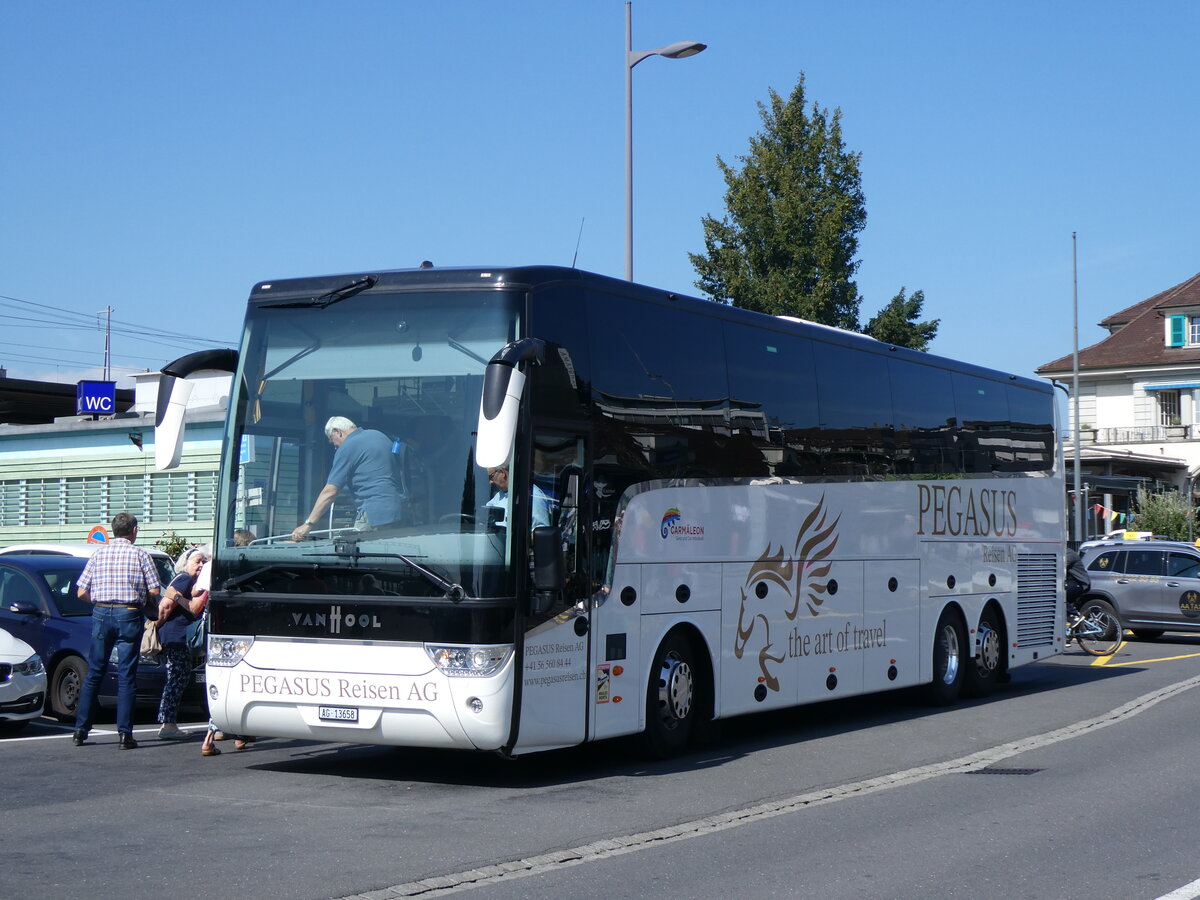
(173, 393)
(549, 572)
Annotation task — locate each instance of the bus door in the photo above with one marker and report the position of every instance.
(554, 683)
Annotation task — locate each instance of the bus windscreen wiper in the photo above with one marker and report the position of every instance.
(357, 286)
(453, 592)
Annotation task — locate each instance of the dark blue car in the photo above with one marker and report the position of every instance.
(39, 603)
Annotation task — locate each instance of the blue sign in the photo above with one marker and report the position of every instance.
(95, 398)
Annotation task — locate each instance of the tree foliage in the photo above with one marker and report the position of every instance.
(788, 241)
(1165, 514)
(897, 323)
(794, 211)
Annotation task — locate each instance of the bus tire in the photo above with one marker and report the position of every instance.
(985, 669)
(949, 658)
(671, 695)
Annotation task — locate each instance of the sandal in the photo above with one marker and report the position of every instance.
(239, 744)
(209, 751)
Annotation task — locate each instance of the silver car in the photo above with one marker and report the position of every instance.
(22, 683)
(1154, 586)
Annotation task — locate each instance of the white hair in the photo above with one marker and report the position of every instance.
(338, 423)
(181, 563)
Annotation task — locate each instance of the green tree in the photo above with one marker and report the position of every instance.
(897, 323)
(1166, 514)
(788, 241)
(172, 544)
(794, 211)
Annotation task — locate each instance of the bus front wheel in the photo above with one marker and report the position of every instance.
(671, 698)
(949, 659)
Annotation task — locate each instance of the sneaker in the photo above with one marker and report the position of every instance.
(171, 732)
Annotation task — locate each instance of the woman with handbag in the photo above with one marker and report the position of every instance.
(176, 612)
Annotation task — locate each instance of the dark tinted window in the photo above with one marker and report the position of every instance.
(982, 408)
(65, 590)
(1143, 562)
(1183, 565)
(650, 358)
(924, 416)
(773, 398)
(1108, 561)
(1032, 431)
(560, 384)
(16, 587)
(659, 393)
(855, 402)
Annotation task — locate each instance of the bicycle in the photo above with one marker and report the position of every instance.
(1095, 627)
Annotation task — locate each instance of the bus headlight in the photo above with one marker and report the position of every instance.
(227, 651)
(475, 660)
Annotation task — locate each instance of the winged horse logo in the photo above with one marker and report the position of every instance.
(779, 582)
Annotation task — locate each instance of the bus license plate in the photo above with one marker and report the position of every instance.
(338, 713)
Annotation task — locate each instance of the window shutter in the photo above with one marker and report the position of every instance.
(1178, 331)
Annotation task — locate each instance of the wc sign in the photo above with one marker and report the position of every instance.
(95, 398)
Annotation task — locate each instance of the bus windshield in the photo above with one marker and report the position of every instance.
(398, 376)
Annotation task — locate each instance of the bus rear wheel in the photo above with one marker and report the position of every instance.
(949, 663)
(987, 666)
(671, 696)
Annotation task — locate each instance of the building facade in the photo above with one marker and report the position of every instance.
(61, 478)
(1139, 403)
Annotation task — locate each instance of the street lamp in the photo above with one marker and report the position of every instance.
(678, 50)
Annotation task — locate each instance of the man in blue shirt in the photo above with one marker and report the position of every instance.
(540, 507)
(362, 464)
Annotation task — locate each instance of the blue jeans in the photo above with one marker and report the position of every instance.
(122, 628)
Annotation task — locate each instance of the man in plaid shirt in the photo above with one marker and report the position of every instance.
(118, 580)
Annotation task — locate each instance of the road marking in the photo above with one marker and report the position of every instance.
(107, 731)
(1187, 892)
(616, 846)
(1104, 660)
(1141, 662)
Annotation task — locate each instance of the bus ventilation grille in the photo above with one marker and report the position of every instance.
(1037, 598)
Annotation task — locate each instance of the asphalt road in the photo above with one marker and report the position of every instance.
(1075, 780)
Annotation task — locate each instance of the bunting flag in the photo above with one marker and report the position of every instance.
(1111, 514)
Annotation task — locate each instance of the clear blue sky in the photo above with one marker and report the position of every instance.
(160, 158)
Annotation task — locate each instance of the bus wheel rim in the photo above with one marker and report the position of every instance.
(675, 691)
(950, 636)
(989, 649)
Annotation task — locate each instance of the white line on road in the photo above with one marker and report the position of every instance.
(597, 850)
(1187, 892)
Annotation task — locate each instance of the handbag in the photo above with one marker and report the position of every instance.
(151, 645)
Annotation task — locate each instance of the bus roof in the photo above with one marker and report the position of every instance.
(534, 277)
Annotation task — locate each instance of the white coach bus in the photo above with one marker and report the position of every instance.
(710, 512)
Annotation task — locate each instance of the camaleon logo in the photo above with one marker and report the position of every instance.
(674, 526)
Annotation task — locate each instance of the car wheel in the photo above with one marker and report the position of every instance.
(66, 684)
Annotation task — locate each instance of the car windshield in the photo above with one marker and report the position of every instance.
(403, 372)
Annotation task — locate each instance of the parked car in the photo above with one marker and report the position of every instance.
(1154, 586)
(22, 683)
(162, 562)
(39, 603)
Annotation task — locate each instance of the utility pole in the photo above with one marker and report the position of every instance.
(107, 312)
(1075, 392)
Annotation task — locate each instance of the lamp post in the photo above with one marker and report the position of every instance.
(678, 50)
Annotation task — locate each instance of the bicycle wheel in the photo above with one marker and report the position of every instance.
(1100, 631)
